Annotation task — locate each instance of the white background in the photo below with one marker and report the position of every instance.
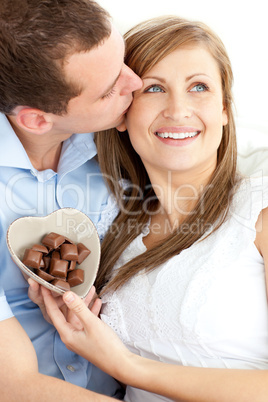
(242, 26)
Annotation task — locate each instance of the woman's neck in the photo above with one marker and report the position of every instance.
(178, 193)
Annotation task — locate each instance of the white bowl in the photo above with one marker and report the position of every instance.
(26, 231)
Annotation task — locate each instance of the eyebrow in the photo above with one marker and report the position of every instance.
(110, 87)
(163, 80)
(152, 77)
(194, 75)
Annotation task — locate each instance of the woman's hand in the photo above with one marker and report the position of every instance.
(94, 340)
(35, 293)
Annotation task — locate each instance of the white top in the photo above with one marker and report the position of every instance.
(207, 306)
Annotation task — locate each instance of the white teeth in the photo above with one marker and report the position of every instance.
(177, 136)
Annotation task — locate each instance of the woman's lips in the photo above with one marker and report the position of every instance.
(177, 136)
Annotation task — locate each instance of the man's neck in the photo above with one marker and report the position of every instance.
(43, 157)
(43, 150)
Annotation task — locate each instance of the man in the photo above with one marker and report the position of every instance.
(62, 71)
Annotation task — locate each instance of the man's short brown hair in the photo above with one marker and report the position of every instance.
(36, 37)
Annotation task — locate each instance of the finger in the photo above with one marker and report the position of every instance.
(89, 296)
(76, 304)
(52, 308)
(34, 286)
(96, 307)
(72, 318)
(45, 291)
(56, 296)
(34, 293)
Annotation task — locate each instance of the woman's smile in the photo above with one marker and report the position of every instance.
(177, 136)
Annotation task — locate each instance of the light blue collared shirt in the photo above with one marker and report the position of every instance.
(25, 191)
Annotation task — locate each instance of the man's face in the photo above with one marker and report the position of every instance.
(106, 83)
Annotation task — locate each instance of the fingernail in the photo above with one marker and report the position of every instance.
(69, 297)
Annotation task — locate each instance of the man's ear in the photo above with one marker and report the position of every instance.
(33, 121)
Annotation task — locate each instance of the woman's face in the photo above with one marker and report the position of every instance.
(175, 121)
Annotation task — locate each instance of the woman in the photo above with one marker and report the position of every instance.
(191, 240)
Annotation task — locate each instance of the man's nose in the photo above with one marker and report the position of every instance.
(130, 81)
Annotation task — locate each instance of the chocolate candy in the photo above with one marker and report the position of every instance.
(63, 285)
(53, 240)
(32, 258)
(41, 248)
(56, 259)
(58, 268)
(46, 260)
(44, 275)
(55, 254)
(69, 252)
(83, 252)
(75, 277)
(72, 266)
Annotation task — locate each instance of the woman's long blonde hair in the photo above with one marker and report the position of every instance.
(147, 44)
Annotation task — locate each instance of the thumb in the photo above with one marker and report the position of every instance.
(77, 306)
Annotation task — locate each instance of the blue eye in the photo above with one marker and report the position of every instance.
(154, 89)
(199, 88)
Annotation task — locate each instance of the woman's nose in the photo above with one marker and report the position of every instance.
(177, 107)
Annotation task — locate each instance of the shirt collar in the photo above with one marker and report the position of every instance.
(76, 150)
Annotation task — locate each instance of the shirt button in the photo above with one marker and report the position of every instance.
(70, 368)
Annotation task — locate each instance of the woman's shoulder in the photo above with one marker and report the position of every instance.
(253, 182)
(252, 192)
(250, 198)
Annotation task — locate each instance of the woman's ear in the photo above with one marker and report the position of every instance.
(122, 127)
(225, 119)
(33, 121)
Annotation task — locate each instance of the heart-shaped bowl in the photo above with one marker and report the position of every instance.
(24, 232)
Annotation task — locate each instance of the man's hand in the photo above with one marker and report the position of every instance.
(35, 294)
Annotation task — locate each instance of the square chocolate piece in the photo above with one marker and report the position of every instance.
(53, 240)
(44, 275)
(32, 258)
(72, 266)
(75, 277)
(41, 248)
(61, 284)
(58, 268)
(83, 252)
(69, 252)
